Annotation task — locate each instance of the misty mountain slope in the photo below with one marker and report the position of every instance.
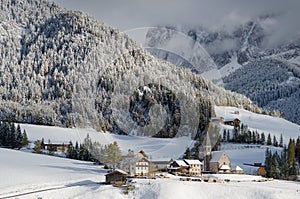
(64, 68)
(247, 61)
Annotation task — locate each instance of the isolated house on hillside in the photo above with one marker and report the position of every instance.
(219, 162)
(56, 147)
(117, 177)
(232, 122)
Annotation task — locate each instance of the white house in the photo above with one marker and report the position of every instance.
(135, 164)
(194, 167)
(186, 166)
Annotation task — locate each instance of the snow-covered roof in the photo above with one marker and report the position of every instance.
(181, 163)
(237, 168)
(118, 171)
(216, 156)
(224, 167)
(189, 161)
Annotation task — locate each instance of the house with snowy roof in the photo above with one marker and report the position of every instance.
(219, 162)
(186, 166)
(135, 164)
(117, 177)
(215, 161)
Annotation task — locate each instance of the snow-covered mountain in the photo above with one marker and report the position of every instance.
(247, 61)
(64, 68)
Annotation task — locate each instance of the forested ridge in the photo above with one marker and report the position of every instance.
(64, 68)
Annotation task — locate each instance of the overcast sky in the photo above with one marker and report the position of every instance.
(129, 14)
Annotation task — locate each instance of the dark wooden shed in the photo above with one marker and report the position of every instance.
(116, 177)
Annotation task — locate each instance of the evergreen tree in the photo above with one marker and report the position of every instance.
(291, 159)
(224, 136)
(269, 141)
(12, 136)
(284, 170)
(281, 141)
(268, 162)
(25, 139)
(297, 150)
(262, 138)
(38, 146)
(275, 169)
(228, 136)
(275, 143)
(187, 154)
(291, 152)
(19, 137)
(71, 152)
(114, 154)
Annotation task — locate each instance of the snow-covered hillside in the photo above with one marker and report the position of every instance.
(261, 123)
(38, 176)
(159, 148)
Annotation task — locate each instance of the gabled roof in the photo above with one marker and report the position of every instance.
(216, 156)
(142, 159)
(237, 168)
(117, 171)
(181, 163)
(142, 153)
(189, 161)
(224, 167)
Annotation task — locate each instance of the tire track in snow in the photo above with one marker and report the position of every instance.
(84, 183)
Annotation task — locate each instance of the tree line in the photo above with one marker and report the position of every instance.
(241, 134)
(286, 164)
(109, 155)
(12, 137)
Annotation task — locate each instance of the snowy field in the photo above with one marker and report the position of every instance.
(28, 175)
(25, 175)
(157, 148)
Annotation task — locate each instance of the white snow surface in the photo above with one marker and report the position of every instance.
(26, 175)
(50, 177)
(156, 148)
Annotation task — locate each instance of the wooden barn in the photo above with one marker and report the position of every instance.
(116, 177)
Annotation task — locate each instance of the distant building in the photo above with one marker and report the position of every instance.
(237, 170)
(116, 177)
(232, 122)
(161, 165)
(56, 147)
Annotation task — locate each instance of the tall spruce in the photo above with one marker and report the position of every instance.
(187, 154)
(269, 141)
(284, 170)
(281, 141)
(268, 159)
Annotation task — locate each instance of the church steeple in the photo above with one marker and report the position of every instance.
(207, 145)
(207, 152)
